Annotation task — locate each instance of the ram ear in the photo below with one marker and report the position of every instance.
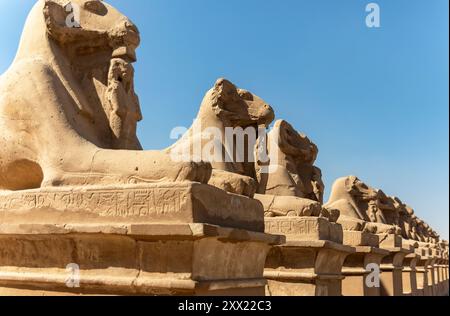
(224, 97)
(350, 184)
(246, 95)
(225, 89)
(287, 139)
(55, 18)
(63, 22)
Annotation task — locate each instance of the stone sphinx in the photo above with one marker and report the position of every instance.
(291, 184)
(394, 214)
(76, 188)
(294, 173)
(291, 190)
(422, 231)
(406, 221)
(430, 235)
(414, 228)
(68, 109)
(371, 218)
(361, 206)
(226, 108)
(389, 209)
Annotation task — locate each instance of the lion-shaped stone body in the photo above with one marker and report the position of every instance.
(226, 107)
(361, 206)
(68, 110)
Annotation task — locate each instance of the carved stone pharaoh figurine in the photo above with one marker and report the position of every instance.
(72, 119)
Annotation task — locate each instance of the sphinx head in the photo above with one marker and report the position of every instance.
(99, 44)
(91, 27)
(238, 107)
(359, 190)
(294, 144)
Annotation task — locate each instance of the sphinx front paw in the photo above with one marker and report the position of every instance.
(233, 183)
(195, 172)
(353, 224)
(331, 214)
(289, 206)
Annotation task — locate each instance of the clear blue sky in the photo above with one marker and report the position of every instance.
(374, 100)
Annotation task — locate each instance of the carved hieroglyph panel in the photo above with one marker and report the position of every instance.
(302, 227)
(182, 202)
(108, 203)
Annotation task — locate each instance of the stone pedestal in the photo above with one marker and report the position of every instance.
(310, 263)
(433, 272)
(392, 265)
(445, 280)
(444, 267)
(437, 281)
(431, 276)
(357, 266)
(443, 283)
(422, 266)
(441, 277)
(410, 275)
(174, 239)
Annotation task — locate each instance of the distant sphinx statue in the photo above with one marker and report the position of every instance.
(361, 206)
(406, 221)
(445, 248)
(77, 192)
(68, 109)
(291, 185)
(433, 236)
(411, 226)
(294, 173)
(421, 230)
(224, 109)
(390, 209)
(414, 228)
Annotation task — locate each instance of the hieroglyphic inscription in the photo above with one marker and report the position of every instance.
(116, 203)
(300, 226)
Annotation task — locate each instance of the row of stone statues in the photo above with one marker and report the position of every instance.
(295, 187)
(364, 208)
(77, 190)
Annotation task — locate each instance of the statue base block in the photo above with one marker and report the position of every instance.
(422, 266)
(305, 228)
(391, 241)
(165, 238)
(306, 268)
(150, 259)
(356, 238)
(444, 282)
(410, 275)
(392, 271)
(357, 269)
(187, 202)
